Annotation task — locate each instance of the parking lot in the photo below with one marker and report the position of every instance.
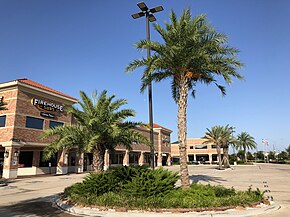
(273, 177)
(33, 196)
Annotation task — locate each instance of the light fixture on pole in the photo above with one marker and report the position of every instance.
(149, 18)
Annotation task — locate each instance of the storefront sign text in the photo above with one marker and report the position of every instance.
(47, 115)
(47, 106)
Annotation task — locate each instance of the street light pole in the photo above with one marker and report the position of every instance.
(149, 18)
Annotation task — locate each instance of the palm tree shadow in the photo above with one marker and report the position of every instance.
(205, 178)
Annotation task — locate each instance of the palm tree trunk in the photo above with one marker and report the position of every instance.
(98, 159)
(226, 158)
(246, 160)
(218, 148)
(182, 131)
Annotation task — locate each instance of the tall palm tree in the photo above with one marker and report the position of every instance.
(216, 136)
(100, 126)
(192, 52)
(246, 141)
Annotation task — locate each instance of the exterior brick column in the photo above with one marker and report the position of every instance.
(62, 162)
(10, 167)
(141, 158)
(210, 159)
(159, 159)
(36, 158)
(107, 160)
(126, 159)
(168, 160)
(79, 163)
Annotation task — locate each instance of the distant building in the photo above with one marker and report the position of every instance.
(32, 108)
(196, 150)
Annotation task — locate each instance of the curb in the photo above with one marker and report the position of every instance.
(86, 211)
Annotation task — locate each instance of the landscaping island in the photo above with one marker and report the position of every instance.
(140, 188)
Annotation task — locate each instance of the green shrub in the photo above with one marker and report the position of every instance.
(150, 183)
(95, 184)
(143, 188)
(127, 173)
(221, 191)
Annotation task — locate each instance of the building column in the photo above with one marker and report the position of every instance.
(168, 160)
(159, 160)
(79, 163)
(10, 167)
(107, 160)
(62, 162)
(210, 159)
(126, 159)
(141, 158)
(36, 158)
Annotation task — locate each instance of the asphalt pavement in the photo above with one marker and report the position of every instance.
(35, 196)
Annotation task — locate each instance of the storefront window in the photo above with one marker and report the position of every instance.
(134, 158)
(2, 120)
(35, 123)
(117, 158)
(25, 158)
(190, 157)
(52, 160)
(90, 158)
(201, 147)
(72, 159)
(146, 158)
(53, 124)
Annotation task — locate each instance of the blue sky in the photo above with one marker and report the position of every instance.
(73, 45)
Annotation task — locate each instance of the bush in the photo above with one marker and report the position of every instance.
(95, 184)
(143, 188)
(138, 181)
(151, 183)
(126, 174)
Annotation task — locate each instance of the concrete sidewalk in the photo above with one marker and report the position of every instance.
(28, 188)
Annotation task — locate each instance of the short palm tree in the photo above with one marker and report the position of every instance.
(193, 52)
(246, 141)
(216, 135)
(228, 139)
(100, 126)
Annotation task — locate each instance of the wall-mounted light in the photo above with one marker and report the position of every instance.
(6, 154)
(16, 153)
(66, 155)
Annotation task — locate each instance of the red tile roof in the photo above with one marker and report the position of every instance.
(40, 86)
(158, 126)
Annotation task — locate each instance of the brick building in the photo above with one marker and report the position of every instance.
(196, 151)
(32, 108)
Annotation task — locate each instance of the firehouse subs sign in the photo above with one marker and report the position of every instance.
(46, 106)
